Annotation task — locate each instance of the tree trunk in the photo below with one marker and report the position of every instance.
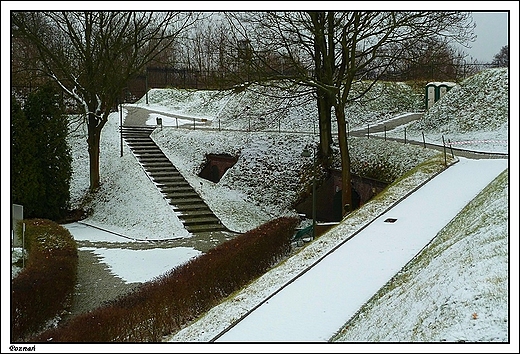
(324, 119)
(94, 133)
(346, 190)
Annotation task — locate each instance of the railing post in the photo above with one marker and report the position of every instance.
(444, 148)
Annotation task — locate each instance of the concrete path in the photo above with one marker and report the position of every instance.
(322, 299)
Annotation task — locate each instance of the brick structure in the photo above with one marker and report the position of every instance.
(216, 166)
(328, 196)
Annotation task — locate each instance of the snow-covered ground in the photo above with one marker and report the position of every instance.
(332, 291)
(130, 205)
(479, 101)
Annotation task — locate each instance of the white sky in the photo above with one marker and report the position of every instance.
(492, 35)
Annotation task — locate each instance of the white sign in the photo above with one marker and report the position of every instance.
(17, 230)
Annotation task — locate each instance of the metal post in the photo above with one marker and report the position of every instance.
(451, 148)
(368, 131)
(385, 132)
(146, 84)
(405, 135)
(121, 126)
(423, 141)
(23, 245)
(307, 153)
(444, 146)
(314, 193)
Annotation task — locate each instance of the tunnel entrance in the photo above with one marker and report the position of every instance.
(216, 165)
(328, 196)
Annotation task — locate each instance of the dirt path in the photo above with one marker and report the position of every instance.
(95, 284)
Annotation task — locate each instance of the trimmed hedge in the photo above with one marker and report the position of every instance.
(167, 303)
(41, 290)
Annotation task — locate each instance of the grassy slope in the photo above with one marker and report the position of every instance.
(473, 244)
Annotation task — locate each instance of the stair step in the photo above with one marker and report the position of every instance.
(205, 228)
(183, 201)
(170, 168)
(155, 160)
(137, 131)
(168, 178)
(194, 214)
(154, 151)
(175, 188)
(172, 173)
(149, 153)
(183, 194)
(201, 221)
(143, 145)
(162, 163)
(140, 127)
(177, 185)
(138, 139)
(129, 130)
(137, 134)
(189, 207)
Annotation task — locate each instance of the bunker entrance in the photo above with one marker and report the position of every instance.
(216, 165)
(328, 196)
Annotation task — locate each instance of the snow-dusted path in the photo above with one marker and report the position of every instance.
(315, 306)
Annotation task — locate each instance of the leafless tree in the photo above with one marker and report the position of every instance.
(330, 51)
(93, 54)
(501, 59)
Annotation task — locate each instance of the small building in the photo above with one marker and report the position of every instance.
(435, 90)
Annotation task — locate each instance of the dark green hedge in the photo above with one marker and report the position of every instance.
(167, 303)
(41, 290)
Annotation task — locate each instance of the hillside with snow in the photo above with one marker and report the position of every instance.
(473, 115)
(267, 134)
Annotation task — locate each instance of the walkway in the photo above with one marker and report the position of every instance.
(323, 298)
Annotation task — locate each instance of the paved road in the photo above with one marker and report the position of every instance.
(138, 116)
(407, 118)
(388, 125)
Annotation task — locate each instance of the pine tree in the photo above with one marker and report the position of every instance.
(43, 158)
(25, 175)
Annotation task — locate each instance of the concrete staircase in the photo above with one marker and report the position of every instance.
(194, 213)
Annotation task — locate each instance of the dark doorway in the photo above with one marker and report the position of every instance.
(216, 165)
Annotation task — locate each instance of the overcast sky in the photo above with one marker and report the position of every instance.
(492, 35)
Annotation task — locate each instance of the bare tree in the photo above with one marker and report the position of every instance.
(92, 56)
(330, 51)
(501, 59)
